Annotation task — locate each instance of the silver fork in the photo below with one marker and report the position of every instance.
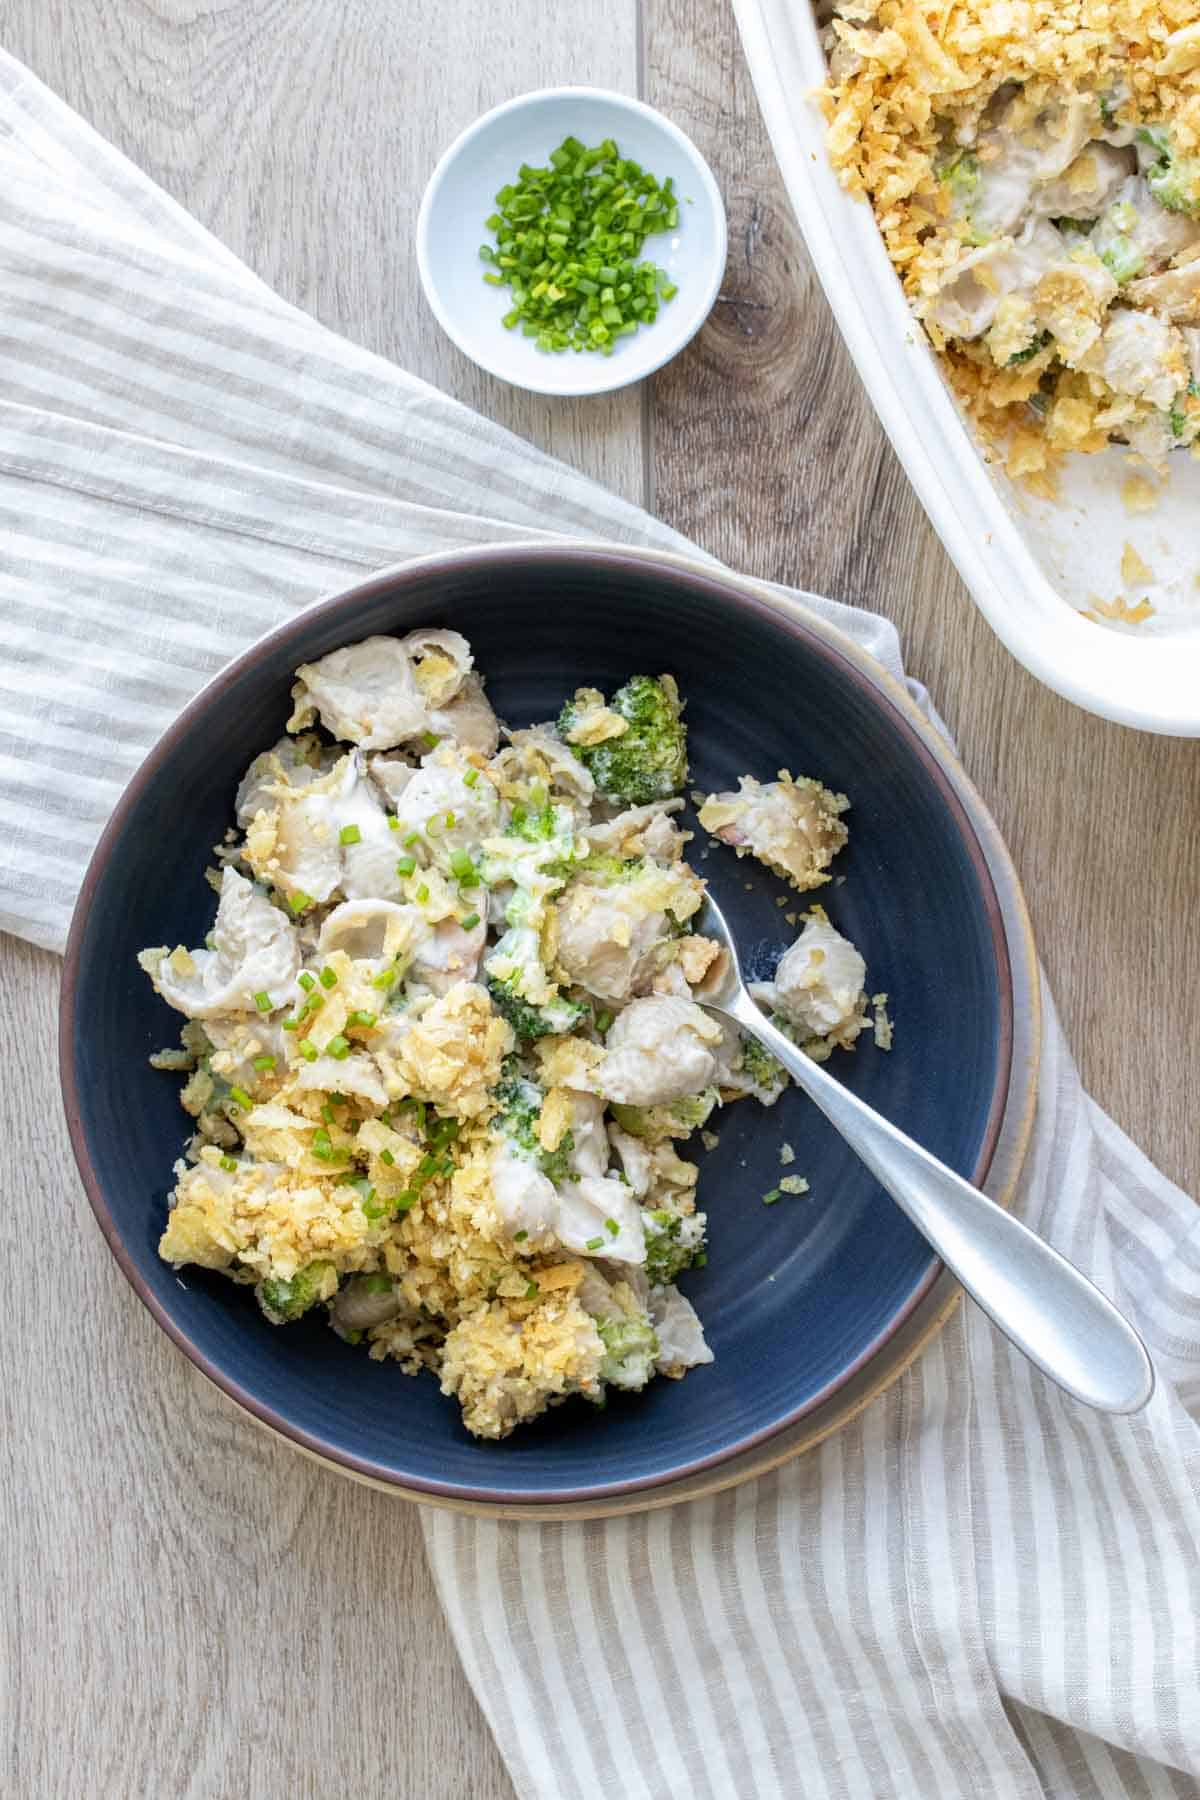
(1040, 1301)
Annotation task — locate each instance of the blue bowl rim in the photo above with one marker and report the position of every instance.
(828, 643)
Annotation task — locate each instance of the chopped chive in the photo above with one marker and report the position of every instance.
(264, 1062)
(532, 1291)
(328, 977)
(308, 1050)
(327, 1114)
(612, 1228)
(241, 1098)
(350, 834)
(338, 1047)
(471, 778)
(387, 1157)
(700, 1260)
(404, 1201)
(771, 1196)
(228, 1164)
(263, 1001)
(365, 1019)
(422, 894)
(470, 922)
(393, 822)
(414, 837)
(567, 237)
(405, 866)
(603, 1021)
(385, 979)
(301, 902)
(306, 981)
(460, 863)
(432, 828)
(430, 739)
(519, 1237)
(451, 821)
(595, 1243)
(322, 1145)
(290, 1024)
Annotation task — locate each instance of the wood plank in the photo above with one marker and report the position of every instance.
(229, 1619)
(302, 134)
(196, 1611)
(767, 451)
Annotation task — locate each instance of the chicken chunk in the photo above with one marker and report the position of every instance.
(381, 692)
(607, 940)
(1140, 355)
(468, 719)
(659, 1049)
(1173, 295)
(254, 952)
(819, 983)
(970, 295)
(794, 827)
(1087, 185)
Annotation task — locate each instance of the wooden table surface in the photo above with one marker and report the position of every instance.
(192, 1610)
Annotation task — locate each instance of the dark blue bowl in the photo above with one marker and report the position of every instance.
(795, 1296)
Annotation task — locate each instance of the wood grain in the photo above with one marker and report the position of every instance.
(193, 1610)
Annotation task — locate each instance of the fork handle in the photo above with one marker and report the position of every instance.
(1040, 1301)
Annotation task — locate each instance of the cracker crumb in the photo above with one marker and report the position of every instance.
(1139, 495)
(786, 1153)
(1119, 610)
(793, 1184)
(1133, 570)
(883, 1025)
(710, 1139)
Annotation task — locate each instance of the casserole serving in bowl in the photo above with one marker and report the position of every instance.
(796, 1298)
(1095, 596)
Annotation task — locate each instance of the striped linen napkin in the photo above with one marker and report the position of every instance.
(978, 1588)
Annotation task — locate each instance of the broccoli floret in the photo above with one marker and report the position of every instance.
(647, 762)
(674, 1242)
(961, 174)
(676, 1118)
(1173, 179)
(552, 1019)
(283, 1301)
(1030, 350)
(1184, 416)
(630, 1347)
(519, 1101)
(535, 826)
(763, 1074)
(603, 867)
(1122, 258)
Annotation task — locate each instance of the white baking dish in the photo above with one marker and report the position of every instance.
(1032, 566)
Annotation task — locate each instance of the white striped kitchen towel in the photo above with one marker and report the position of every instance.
(978, 1588)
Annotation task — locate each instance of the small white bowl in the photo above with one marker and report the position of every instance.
(461, 195)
